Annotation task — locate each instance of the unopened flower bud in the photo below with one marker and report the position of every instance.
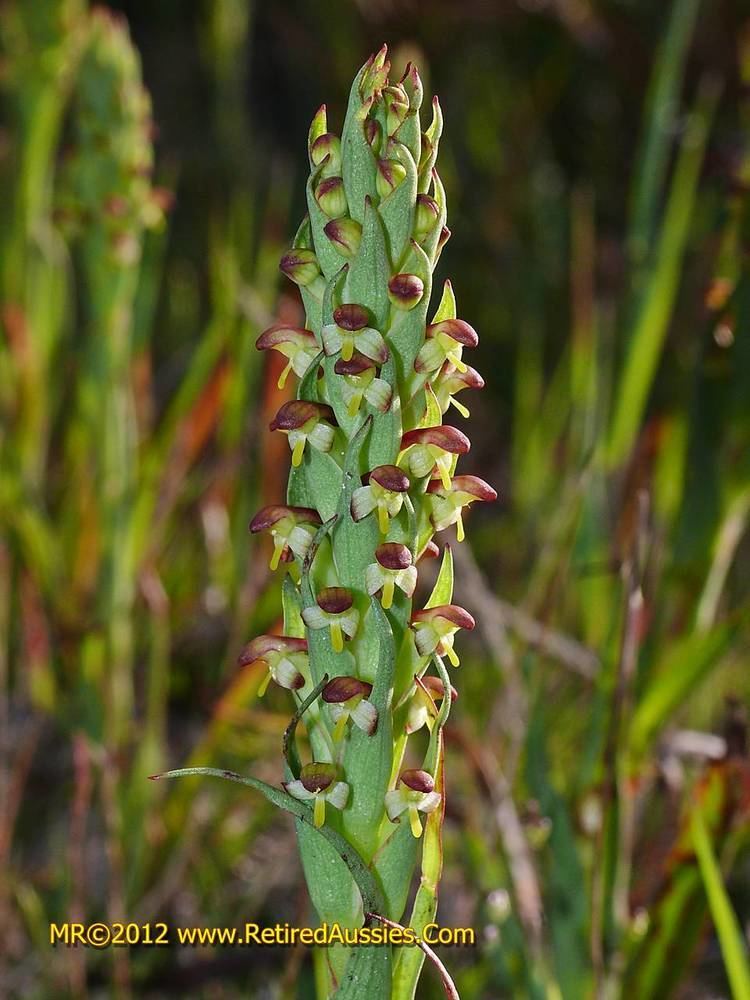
(426, 216)
(300, 265)
(390, 174)
(405, 290)
(412, 84)
(327, 145)
(373, 134)
(331, 197)
(345, 235)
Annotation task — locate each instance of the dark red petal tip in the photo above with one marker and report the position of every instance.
(351, 317)
(393, 555)
(335, 600)
(418, 780)
(343, 688)
(390, 477)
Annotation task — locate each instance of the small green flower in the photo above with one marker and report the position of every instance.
(393, 569)
(360, 382)
(319, 783)
(349, 332)
(414, 793)
(450, 381)
(346, 698)
(302, 421)
(445, 342)
(446, 505)
(334, 610)
(385, 490)
(422, 709)
(427, 449)
(285, 658)
(298, 345)
(435, 628)
(292, 530)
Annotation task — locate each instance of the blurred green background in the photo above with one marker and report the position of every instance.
(596, 157)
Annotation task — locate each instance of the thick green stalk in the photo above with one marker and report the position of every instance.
(373, 478)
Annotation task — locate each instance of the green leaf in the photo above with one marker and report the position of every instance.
(371, 966)
(655, 310)
(289, 742)
(686, 663)
(369, 272)
(397, 210)
(393, 865)
(354, 543)
(359, 169)
(368, 760)
(433, 133)
(442, 592)
(406, 333)
(725, 921)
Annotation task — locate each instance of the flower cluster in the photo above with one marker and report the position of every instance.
(373, 475)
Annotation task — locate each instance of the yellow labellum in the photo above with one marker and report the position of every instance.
(340, 728)
(283, 377)
(319, 811)
(337, 637)
(414, 821)
(383, 520)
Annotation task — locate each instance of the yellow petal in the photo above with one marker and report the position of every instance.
(388, 588)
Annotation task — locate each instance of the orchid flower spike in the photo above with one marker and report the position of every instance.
(359, 382)
(414, 793)
(319, 783)
(445, 342)
(350, 332)
(346, 698)
(284, 657)
(385, 490)
(335, 611)
(292, 530)
(427, 448)
(447, 505)
(303, 421)
(296, 344)
(436, 627)
(393, 568)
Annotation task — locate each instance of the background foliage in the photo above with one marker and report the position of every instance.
(597, 161)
